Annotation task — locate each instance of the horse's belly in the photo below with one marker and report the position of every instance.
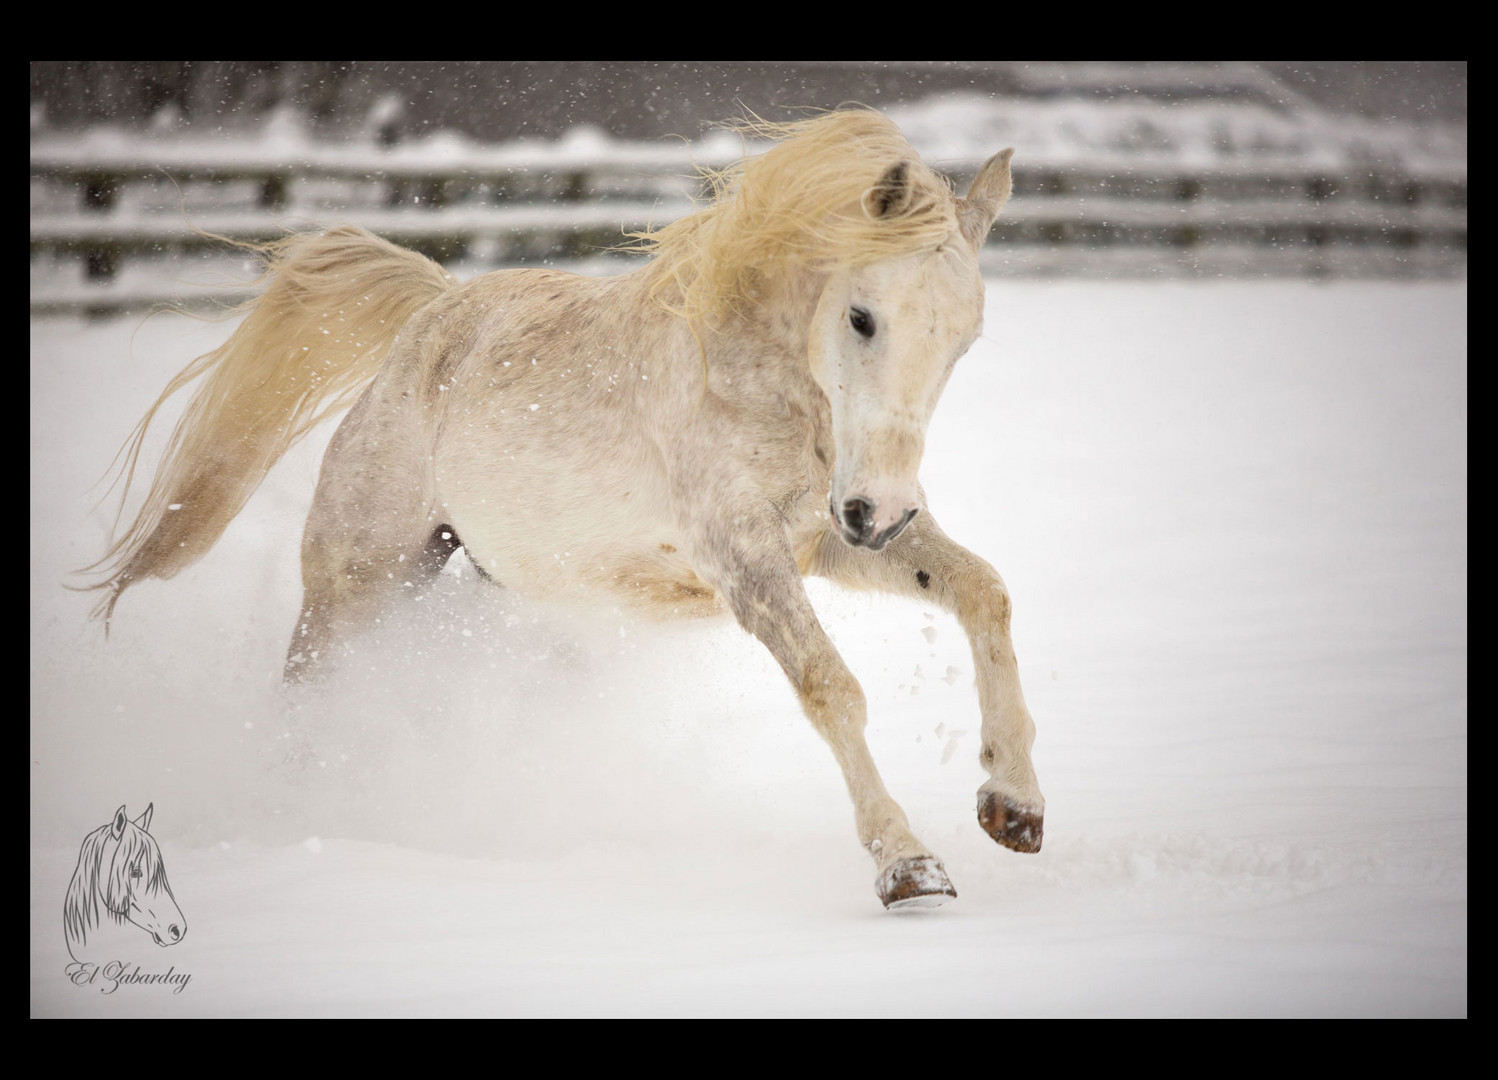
(571, 526)
(648, 575)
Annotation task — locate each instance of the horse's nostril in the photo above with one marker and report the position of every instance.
(858, 514)
(175, 932)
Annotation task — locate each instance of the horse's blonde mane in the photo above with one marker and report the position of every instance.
(800, 203)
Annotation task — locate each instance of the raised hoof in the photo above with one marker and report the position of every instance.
(1017, 827)
(912, 883)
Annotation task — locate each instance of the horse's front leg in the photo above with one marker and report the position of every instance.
(756, 573)
(923, 562)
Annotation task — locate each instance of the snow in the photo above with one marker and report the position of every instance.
(1208, 133)
(1233, 520)
(1202, 134)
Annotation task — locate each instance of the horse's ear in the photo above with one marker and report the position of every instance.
(987, 196)
(144, 821)
(891, 194)
(120, 821)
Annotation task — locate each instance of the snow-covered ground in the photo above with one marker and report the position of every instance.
(1233, 519)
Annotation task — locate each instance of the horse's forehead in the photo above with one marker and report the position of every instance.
(943, 280)
(135, 842)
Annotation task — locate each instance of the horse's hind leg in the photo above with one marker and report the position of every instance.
(374, 531)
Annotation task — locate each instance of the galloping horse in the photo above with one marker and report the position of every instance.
(119, 880)
(747, 408)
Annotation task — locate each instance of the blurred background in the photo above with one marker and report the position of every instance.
(1124, 170)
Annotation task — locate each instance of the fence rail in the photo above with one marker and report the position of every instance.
(120, 226)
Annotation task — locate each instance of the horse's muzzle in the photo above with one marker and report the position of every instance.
(855, 523)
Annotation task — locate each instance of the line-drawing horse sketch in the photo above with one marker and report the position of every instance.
(120, 881)
(747, 408)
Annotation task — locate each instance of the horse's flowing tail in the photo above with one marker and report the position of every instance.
(311, 342)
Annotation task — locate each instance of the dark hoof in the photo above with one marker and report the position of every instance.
(912, 883)
(1017, 827)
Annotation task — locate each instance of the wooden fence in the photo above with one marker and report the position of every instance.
(122, 226)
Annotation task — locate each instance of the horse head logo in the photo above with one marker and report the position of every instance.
(120, 880)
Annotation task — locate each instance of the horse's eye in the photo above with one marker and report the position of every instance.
(862, 321)
(135, 871)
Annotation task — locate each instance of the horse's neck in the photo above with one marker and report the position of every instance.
(90, 925)
(764, 344)
(115, 939)
(785, 309)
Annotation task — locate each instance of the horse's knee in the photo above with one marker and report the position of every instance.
(831, 695)
(985, 605)
(996, 603)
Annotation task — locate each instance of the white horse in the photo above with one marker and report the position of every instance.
(120, 881)
(747, 408)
